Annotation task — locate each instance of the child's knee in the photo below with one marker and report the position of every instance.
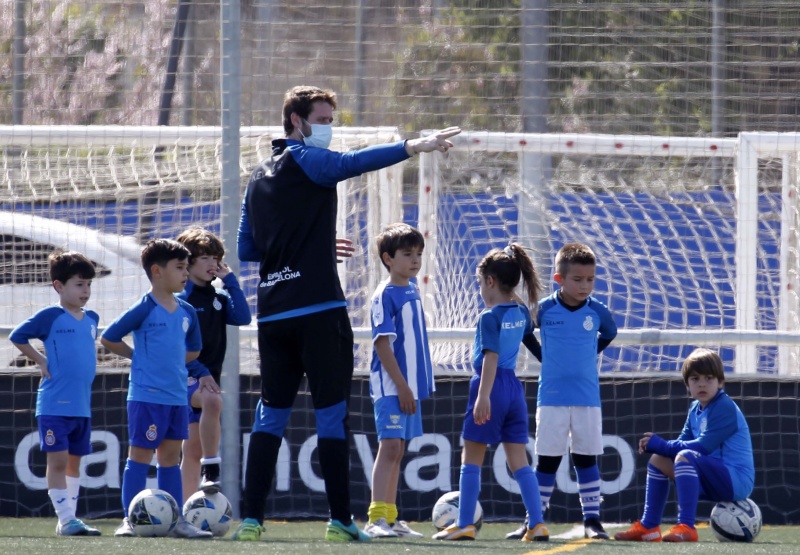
(212, 403)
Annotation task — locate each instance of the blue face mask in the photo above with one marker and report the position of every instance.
(320, 135)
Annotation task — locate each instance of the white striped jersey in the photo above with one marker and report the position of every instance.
(396, 312)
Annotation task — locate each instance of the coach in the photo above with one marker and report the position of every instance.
(288, 225)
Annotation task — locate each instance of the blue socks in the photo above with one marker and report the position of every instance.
(169, 479)
(589, 491)
(134, 480)
(470, 486)
(688, 485)
(529, 487)
(655, 497)
(547, 483)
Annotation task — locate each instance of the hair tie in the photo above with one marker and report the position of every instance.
(509, 251)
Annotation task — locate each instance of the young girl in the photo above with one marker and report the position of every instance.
(497, 411)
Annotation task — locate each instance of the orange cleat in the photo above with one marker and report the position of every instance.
(638, 533)
(681, 533)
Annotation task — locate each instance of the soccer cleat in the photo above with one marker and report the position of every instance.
(454, 533)
(338, 532)
(402, 530)
(76, 527)
(379, 529)
(185, 530)
(249, 530)
(593, 529)
(681, 533)
(519, 533)
(209, 481)
(538, 533)
(125, 530)
(638, 533)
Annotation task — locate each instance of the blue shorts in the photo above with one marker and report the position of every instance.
(393, 423)
(509, 420)
(150, 423)
(715, 479)
(65, 433)
(194, 412)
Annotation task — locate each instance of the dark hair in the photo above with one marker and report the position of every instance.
(507, 266)
(201, 242)
(160, 252)
(300, 100)
(67, 264)
(703, 362)
(396, 237)
(573, 253)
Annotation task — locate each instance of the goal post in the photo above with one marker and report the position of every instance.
(682, 261)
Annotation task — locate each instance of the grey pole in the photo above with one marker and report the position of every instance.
(358, 88)
(187, 71)
(717, 79)
(18, 97)
(231, 87)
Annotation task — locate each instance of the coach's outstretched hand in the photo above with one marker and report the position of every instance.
(433, 142)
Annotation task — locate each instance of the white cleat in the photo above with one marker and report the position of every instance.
(403, 531)
(185, 530)
(379, 529)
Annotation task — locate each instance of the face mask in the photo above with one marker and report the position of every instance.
(320, 135)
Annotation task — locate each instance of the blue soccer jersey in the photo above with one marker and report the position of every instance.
(500, 330)
(719, 431)
(569, 338)
(161, 340)
(70, 348)
(397, 313)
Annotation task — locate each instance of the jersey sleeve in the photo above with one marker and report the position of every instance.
(238, 311)
(194, 340)
(686, 440)
(128, 321)
(381, 315)
(197, 369)
(489, 333)
(326, 167)
(246, 248)
(36, 327)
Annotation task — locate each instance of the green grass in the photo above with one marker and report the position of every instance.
(37, 536)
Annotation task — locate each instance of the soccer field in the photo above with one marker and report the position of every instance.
(36, 536)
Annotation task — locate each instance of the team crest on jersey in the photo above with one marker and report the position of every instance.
(588, 324)
(152, 433)
(185, 324)
(703, 424)
(216, 304)
(50, 438)
(191, 381)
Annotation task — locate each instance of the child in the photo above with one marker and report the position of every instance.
(216, 309)
(401, 373)
(166, 337)
(575, 327)
(63, 400)
(497, 410)
(712, 458)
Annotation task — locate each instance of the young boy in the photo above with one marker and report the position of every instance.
(575, 327)
(712, 458)
(166, 337)
(401, 373)
(63, 400)
(216, 309)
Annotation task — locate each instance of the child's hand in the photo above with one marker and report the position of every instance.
(482, 412)
(43, 368)
(207, 382)
(222, 270)
(643, 441)
(407, 403)
(344, 249)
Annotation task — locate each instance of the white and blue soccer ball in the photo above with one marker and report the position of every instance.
(736, 521)
(153, 513)
(209, 511)
(445, 511)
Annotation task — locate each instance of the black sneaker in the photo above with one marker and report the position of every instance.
(593, 530)
(519, 533)
(209, 482)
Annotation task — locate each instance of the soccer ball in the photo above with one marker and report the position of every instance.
(736, 521)
(153, 513)
(209, 511)
(445, 511)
